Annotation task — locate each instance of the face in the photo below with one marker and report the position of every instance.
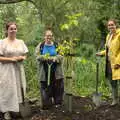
(48, 36)
(111, 26)
(12, 30)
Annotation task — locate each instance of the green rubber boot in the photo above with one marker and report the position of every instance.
(114, 96)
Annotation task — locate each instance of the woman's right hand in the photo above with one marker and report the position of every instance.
(13, 59)
(18, 58)
(98, 54)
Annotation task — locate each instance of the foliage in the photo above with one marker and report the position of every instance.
(31, 74)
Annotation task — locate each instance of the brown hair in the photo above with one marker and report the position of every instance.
(7, 26)
(113, 20)
(48, 28)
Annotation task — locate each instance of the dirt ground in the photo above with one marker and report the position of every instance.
(82, 109)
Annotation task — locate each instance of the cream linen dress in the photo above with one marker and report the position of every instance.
(10, 76)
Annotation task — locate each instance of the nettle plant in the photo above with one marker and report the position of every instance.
(67, 47)
(46, 56)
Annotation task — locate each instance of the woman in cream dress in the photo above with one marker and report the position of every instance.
(12, 53)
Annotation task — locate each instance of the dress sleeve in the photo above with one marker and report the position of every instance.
(25, 49)
(1, 48)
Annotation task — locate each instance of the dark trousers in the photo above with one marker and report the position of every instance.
(55, 90)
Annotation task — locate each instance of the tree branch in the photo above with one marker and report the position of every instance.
(13, 1)
(17, 1)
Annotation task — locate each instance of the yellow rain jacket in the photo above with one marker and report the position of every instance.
(114, 53)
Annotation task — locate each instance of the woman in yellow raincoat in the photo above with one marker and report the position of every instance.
(112, 53)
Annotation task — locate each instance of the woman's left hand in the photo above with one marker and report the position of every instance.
(54, 59)
(116, 66)
(20, 58)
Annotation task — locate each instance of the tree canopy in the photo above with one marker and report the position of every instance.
(79, 19)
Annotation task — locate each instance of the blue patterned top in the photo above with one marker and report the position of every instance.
(49, 49)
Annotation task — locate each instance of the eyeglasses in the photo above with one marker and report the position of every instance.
(49, 35)
(111, 25)
(13, 28)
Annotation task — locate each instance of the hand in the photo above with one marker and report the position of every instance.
(20, 58)
(116, 66)
(13, 59)
(98, 54)
(51, 59)
(54, 59)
